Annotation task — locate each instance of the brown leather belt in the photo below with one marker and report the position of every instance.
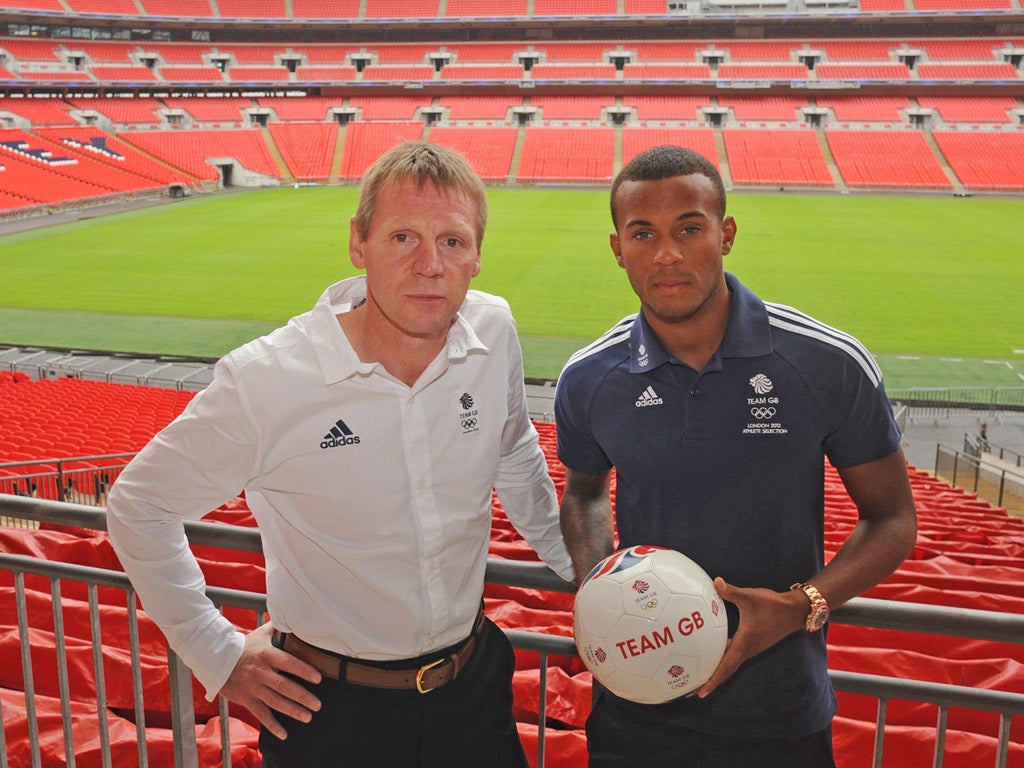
(424, 678)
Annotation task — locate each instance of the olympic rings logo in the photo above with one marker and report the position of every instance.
(469, 423)
(762, 413)
(649, 605)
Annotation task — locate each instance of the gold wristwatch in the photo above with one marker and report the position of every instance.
(818, 614)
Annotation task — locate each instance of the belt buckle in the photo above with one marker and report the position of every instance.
(419, 675)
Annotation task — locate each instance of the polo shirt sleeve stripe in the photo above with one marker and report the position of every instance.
(787, 318)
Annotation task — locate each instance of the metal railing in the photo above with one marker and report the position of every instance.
(77, 479)
(943, 401)
(998, 485)
(937, 620)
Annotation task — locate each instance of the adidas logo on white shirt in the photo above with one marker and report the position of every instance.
(338, 436)
(648, 397)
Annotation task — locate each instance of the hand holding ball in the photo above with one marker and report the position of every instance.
(649, 624)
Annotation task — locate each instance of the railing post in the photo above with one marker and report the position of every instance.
(183, 715)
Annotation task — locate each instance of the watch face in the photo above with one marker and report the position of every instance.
(818, 619)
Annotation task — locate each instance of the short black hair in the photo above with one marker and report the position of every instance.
(665, 162)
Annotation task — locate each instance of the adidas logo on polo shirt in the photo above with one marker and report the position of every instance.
(339, 435)
(648, 397)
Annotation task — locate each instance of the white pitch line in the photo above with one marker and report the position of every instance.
(951, 359)
(998, 362)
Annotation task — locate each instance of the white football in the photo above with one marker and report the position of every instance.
(649, 624)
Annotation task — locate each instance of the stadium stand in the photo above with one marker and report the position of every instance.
(684, 71)
(300, 109)
(134, 110)
(637, 140)
(488, 149)
(970, 109)
(855, 50)
(479, 107)
(894, 72)
(963, 542)
(761, 50)
(181, 8)
(321, 9)
(307, 148)
(105, 52)
(958, 49)
(575, 8)
(651, 107)
(191, 74)
(178, 53)
(398, 73)
(572, 72)
(364, 142)
(885, 109)
(70, 163)
(39, 111)
(487, 72)
(53, 75)
(969, 71)
(115, 7)
(780, 158)
(123, 74)
(409, 9)
(39, 5)
(628, 76)
(324, 54)
(487, 53)
(109, 150)
(258, 74)
(388, 107)
(783, 108)
(992, 161)
(883, 159)
(324, 74)
(567, 155)
(565, 52)
(209, 109)
(190, 150)
(253, 9)
(762, 72)
(570, 107)
(908, 95)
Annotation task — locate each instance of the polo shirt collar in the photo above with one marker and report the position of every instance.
(747, 335)
(338, 360)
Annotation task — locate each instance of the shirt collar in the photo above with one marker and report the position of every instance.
(338, 360)
(747, 334)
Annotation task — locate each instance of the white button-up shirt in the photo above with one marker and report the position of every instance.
(373, 499)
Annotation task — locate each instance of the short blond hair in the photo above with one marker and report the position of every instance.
(421, 162)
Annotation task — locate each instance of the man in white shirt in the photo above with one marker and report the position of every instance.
(367, 435)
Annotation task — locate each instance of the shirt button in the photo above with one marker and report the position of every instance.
(694, 392)
(421, 483)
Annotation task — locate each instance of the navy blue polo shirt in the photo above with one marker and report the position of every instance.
(726, 465)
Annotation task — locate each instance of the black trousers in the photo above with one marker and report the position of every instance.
(621, 737)
(465, 724)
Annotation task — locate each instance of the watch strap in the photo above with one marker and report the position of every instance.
(819, 611)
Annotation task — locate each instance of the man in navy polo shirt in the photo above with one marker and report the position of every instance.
(717, 411)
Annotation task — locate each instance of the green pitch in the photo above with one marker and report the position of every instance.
(933, 286)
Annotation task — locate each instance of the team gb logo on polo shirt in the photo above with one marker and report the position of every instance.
(762, 384)
(469, 415)
(764, 408)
